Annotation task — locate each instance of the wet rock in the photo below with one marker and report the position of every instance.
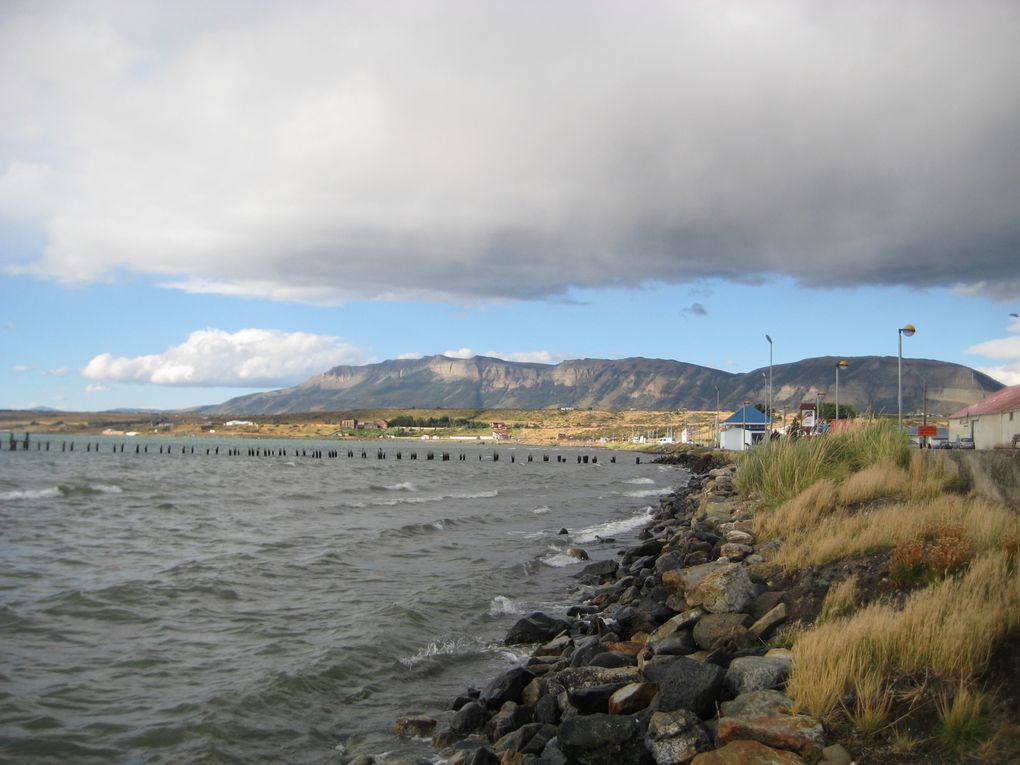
(681, 621)
(613, 659)
(680, 643)
(675, 738)
(536, 628)
(598, 573)
(604, 740)
(685, 684)
(588, 677)
(577, 552)
(413, 726)
(482, 756)
(506, 687)
(547, 710)
(509, 718)
(592, 699)
(747, 753)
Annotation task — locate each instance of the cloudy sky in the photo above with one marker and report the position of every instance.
(201, 199)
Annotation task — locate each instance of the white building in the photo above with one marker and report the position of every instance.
(993, 420)
(742, 429)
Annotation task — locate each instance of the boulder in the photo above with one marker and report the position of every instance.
(411, 726)
(469, 718)
(554, 647)
(721, 588)
(577, 552)
(536, 628)
(680, 643)
(713, 629)
(765, 624)
(632, 698)
(506, 687)
(588, 677)
(739, 537)
(524, 740)
(547, 710)
(675, 738)
(685, 684)
(681, 621)
(747, 753)
(509, 718)
(756, 704)
(756, 673)
(797, 733)
(482, 756)
(735, 551)
(613, 659)
(604, 740)
(599, 572)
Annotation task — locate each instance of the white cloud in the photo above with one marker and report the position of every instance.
(1005, 349)
(249, 358)
(460, 353)
(20, 369)
(533, 357)
(58, 372)
(446, 150)
(411, 355)
(96, 388)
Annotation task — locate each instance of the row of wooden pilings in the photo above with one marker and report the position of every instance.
(258, 451)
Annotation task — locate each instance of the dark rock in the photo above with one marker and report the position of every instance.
(552, 754)
(680, 643)
(414, 725)
(470, 717)
(584, 655)
(598, 573)
(460, 701)
(676, 737)
(685, 684)
(520, 739)
(593, 699)
(536, 628)
(508, 719)
(575, 611)
(604, 740)
(765, 603)
(632, 698)
(482, 756)
(547, 710)
(506, 687)
(562, 531)
(613, 659)
(672, 560)
(650, 548)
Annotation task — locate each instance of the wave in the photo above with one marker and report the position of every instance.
(609, 528)
(640, 481)
(52, 491)
(642, 493)
(104, 488)
(541, 510)
(421, 500)
(460, 646)
(560, 559)
(501, 605)
(403, 486)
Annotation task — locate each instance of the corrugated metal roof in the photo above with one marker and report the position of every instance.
(1000, 401)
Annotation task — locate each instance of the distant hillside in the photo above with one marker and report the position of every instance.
(868, 384)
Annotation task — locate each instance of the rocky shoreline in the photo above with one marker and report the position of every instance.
(667, 660)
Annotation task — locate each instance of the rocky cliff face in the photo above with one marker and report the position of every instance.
(868, 384)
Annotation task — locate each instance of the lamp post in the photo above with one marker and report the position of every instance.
(908, 330)
(717, 415)
(819, 395)
(771, 417)
(839, 365)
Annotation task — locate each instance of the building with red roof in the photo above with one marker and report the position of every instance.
(993, 420)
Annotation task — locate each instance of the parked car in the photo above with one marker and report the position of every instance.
(964, 443)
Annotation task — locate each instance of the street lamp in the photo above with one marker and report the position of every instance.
(716, 415)
(908, 330)
(819, 395)
(771, 418)
(839, 365)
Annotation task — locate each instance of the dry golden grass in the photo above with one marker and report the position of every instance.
(949, 628)
(962, 721)
(815, 528)
(840, 601)
(883, 480)
(872, 701)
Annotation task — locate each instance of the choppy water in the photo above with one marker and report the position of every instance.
(192, 608)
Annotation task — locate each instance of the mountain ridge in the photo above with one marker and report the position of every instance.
(481, 382)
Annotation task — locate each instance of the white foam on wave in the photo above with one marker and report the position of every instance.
(53, 491)
(106, 488)
(560, 559)
(541, 510)
(641, 493)
(609, 528)
(422, 500)
(460, 646)
(501, 605)
(403, 486)
(640, 481)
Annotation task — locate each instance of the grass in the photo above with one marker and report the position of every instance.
(949, 628)
(780, 470)
(840, 601)
(962, 721)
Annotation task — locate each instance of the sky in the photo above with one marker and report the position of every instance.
(202, 199)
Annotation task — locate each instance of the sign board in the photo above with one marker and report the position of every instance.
(927, 430)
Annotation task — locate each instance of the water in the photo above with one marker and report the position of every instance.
(192, 608)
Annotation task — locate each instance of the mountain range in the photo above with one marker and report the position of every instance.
(868, 384)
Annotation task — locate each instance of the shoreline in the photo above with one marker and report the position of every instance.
(665, 659)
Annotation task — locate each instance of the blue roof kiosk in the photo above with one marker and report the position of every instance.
(743, 429)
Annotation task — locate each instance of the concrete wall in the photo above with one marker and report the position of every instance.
(994, 474)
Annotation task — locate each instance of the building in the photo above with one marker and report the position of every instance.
(743, 429)
(500, 431)
(993, 420)
(350, 423)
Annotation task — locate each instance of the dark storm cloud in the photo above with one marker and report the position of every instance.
(472, 151)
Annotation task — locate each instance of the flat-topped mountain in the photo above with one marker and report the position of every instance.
(868, 384)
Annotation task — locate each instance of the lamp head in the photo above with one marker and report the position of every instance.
(770, 339)
(843, 364)
(908, 329)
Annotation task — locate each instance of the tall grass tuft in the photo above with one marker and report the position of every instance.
(962, 721)
(780, 470)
